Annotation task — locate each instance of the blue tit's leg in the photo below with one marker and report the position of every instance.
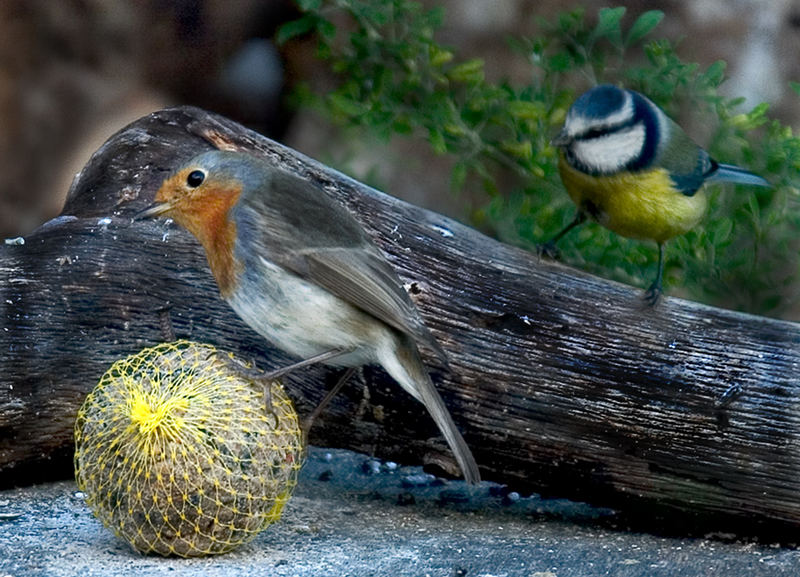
(654, 292)
(548, 248)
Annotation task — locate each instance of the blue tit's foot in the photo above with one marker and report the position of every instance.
(548, 250)
(653, 294)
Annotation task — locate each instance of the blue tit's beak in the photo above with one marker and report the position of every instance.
(561, 139)
(154, 210)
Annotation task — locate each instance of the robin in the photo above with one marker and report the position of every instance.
(299, 269)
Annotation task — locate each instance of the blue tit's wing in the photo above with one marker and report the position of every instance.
(690, 166)
(298, 226)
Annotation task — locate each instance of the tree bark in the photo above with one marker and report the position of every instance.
(562, 383)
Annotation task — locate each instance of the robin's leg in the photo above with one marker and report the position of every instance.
(309, 420)
(316, 359)
(266, 379)
(257, 374)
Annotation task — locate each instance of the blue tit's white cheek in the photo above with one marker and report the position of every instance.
(610, 152)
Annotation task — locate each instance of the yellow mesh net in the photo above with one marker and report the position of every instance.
(181, 454)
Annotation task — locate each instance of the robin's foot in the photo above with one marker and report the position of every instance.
(242, 368)
(249, 372)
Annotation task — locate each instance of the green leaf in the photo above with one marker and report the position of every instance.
(522, 150)
(608, 23)
(753, 119)
(560, 62)
(526, 110)
(295, 28)
(643, 26)
(438, 55)
(771, 303)
(469, 71)
(309, 5)
(795, 86)
(459, 176)
(326, 29)
(716, 73)
(437, 141)
(722, 230)
(758, 115)
(346, 106)
(755, 210)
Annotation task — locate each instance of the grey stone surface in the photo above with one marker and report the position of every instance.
(355, 517)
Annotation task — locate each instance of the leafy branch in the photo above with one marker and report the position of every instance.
(394, 79)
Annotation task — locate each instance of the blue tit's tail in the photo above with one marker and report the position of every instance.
(731, 173)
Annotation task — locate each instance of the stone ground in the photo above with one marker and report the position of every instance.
(352, 516)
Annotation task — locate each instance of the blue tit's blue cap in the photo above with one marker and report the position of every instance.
(600, 101)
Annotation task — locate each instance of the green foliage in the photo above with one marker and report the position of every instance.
(395, 79)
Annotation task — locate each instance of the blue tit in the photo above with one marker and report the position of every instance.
(632, 169)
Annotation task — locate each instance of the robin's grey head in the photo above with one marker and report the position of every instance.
(609, 129)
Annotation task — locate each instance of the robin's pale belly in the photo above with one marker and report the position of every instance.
(304, 319)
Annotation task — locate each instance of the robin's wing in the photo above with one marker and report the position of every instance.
(298, 226)
(363, 278)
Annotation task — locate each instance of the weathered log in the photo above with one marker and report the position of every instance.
(562, 383)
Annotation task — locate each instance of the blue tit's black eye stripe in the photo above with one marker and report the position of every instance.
(600, 131)
(644, 113)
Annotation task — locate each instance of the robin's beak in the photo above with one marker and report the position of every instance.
(154, 210)
(561, 139)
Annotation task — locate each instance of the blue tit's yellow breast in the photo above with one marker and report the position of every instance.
(641, 205)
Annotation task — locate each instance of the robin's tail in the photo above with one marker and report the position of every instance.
(405, 366)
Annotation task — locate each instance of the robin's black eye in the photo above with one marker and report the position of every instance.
(195, 178)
